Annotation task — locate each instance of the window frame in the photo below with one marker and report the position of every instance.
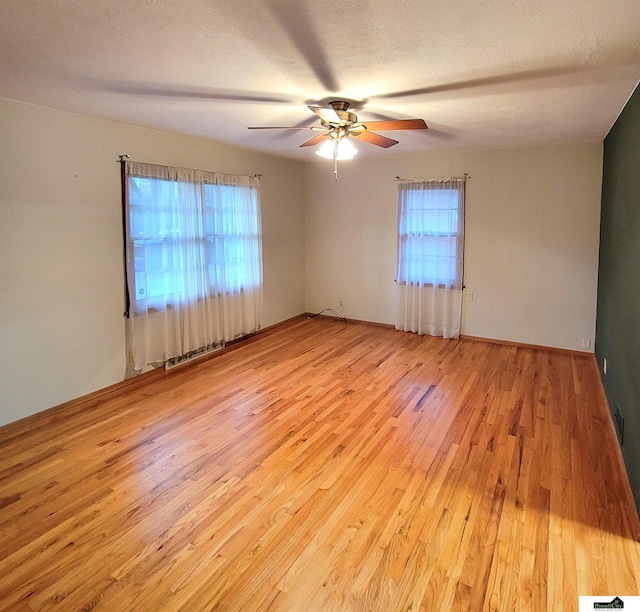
(134, 305)
(457, 282)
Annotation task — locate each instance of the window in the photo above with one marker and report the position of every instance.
(430, 233)
(233, 238)
(191, 239)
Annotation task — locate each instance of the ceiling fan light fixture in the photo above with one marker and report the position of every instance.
(340, 149)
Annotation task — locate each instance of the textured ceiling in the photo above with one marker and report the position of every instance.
(482, 73)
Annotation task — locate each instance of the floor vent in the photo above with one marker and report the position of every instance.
(174, 362)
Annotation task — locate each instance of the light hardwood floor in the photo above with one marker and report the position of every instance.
(325, 467)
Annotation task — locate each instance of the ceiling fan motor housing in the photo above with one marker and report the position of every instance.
(341, 108)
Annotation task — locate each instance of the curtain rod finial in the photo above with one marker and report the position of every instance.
(121, 158)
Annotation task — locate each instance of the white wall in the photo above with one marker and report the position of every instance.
(531, 246)
(61, 270)
(531, 249)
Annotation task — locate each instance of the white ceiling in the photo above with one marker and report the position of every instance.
(482, 73)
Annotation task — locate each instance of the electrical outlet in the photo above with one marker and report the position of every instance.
(604, 365)
(130, 356)
(469, 296)
(341, 303)
(586, 343)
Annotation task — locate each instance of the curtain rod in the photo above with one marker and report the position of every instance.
(441, 179)
(121, 158)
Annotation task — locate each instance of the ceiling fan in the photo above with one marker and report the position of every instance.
(337, 125)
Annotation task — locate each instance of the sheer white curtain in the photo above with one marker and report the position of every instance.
(193, 259)
(430, 254)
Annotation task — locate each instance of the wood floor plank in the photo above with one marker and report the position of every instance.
(325, 467)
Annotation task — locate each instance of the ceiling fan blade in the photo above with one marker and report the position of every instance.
(307, 35)
(315, 140)
(283, 127)
(398, 124)
(375, 139)
(328, 115)
(546, 74)
(166, 91)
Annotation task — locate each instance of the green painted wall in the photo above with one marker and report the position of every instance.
(618, 315)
